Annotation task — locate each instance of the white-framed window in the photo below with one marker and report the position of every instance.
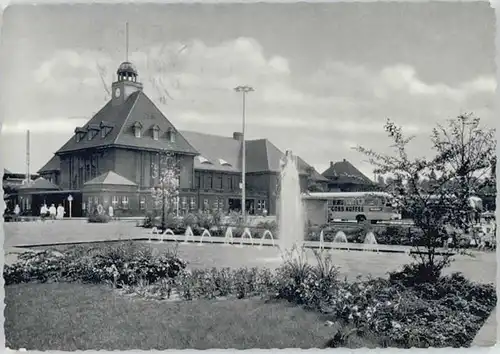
(205, 204)
(89, 204)
(192, 203)
(263, 204)
(114, 201)
(125, 202)
(259, 205)
(142, 203)
(96, 200)
(184, 202)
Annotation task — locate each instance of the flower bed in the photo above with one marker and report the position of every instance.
(201, 221)
(402, 311)
(123, 265)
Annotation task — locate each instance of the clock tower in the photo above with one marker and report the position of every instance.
(126, 84)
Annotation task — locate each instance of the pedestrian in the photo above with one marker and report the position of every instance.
(17, 211)
(60, 212)
(43, 212)
(111, 212)
(52, 212)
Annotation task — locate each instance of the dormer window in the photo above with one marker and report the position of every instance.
(106, 128)
(80, 133)
(92, 129)
(156, 132)
(224, 162)
(171, 135)
(138, 129)
(203, 160)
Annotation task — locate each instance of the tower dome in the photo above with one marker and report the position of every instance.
(127, 72)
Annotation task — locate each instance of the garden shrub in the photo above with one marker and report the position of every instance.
(98, 218)
(126, 264)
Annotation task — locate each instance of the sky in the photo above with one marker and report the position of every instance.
(326, 76)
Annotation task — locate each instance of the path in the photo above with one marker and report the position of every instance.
(488, 334)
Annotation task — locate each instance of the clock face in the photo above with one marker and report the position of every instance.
(117, 92)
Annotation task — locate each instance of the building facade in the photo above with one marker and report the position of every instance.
(113, 160)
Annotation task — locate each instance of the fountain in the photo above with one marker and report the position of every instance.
(228, 237)
(266, 233)
(370, 242)
(291, 211)
(188, 234)
(205, 233)
(248, 234)
(166, 232)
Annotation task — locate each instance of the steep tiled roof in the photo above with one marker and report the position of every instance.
(138, 108)
(213, 148)
(40, 183)
(262, 155)
(54, 164)
(345, 172)
(110, 178)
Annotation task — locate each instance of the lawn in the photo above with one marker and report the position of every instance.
(73, 316)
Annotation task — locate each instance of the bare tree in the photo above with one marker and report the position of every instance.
(463, 152)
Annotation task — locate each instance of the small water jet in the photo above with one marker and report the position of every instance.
(266, 233)
(321, 240)
(340, 238)
(370, 242)
(205, 233)
(166, 232)
(228, 236)
(248, 234)
(188, 234)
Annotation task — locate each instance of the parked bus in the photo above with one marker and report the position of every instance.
(359, 206)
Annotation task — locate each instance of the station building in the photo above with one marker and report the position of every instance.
(109, 161)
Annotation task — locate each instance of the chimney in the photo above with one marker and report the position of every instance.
(237, 136)
(331, 163)
(344, 160)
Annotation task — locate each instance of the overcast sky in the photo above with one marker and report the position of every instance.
(326, 75)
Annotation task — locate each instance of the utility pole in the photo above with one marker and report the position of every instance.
(243, 90)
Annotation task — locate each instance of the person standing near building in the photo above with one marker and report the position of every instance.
(111, 212)
(43, 212)
(17, 211)
(52, 212)
(60, 212)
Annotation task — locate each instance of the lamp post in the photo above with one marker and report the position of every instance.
(244, 90)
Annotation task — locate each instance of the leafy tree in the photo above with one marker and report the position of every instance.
(165, 191)
(463, 152)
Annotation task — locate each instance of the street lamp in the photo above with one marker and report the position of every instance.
(244, 90)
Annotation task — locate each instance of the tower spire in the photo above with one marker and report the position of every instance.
(126, 41)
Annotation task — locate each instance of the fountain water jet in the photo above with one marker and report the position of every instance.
(188, 234)
(204, 234)
(321, 240)
(228, 237)
(248, 234)
(339, 238)
(291, 210)
(370, 242)
(266, 233)
(166, 232)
